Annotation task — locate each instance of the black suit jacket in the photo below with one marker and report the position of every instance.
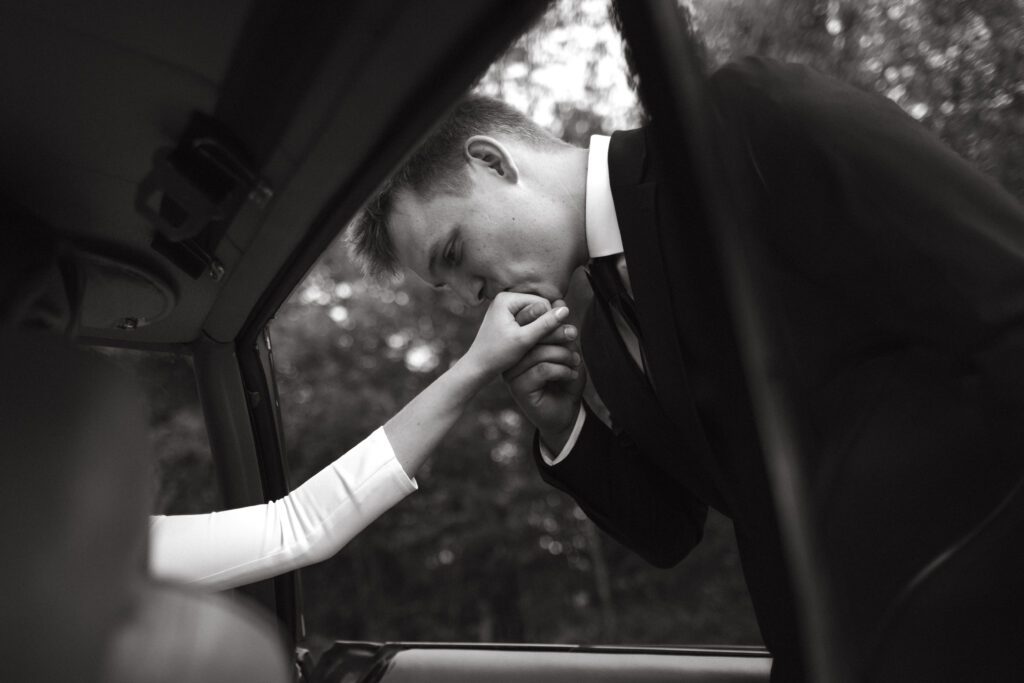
(894, 274)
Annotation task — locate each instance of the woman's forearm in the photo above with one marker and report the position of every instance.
(418, 427)
(226, 549)
(234, 547)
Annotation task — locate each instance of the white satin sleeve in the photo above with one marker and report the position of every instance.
(226, 549)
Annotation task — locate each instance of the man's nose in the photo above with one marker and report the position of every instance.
(470, 290)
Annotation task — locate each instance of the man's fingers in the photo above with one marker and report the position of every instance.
(543, 353)
(562, 335)
(537, 376)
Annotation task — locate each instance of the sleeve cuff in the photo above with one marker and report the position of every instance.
(382, 446)
(545, 454)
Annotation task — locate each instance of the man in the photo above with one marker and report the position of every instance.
(896, 278)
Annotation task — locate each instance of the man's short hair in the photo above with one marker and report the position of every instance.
(437, 167)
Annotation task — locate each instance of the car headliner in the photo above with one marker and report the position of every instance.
(92, 91)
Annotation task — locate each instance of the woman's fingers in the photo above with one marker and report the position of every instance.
(563, 334)
(544, 325)
(530, 308)
(531, 311)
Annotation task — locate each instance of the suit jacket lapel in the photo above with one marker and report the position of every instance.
(636, 208)
(636, 410)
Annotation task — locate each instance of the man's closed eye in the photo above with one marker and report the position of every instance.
(450, 256)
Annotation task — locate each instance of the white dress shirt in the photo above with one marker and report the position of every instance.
(226, 549)
(604, 238)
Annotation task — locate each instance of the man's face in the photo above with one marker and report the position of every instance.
(504, 234)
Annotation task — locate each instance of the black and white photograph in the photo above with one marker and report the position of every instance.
(512, 341)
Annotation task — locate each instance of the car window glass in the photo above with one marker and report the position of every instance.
(184, 475)
(485, 550)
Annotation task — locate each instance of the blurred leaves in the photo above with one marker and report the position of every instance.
(955, 65)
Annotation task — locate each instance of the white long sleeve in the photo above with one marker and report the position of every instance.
(223, 550)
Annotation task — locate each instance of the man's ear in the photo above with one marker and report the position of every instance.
(486, 153)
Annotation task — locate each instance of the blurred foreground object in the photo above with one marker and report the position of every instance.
(179, 637)
(74, 501)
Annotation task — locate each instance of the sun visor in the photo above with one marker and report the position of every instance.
(117, 295)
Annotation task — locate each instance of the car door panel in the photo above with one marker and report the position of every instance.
(424, 662)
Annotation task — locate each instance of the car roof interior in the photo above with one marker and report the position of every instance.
(286, 115)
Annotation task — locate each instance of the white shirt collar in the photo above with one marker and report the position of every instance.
(603, 235)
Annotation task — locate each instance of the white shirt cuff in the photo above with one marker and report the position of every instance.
(545, 454)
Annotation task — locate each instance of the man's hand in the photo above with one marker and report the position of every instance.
(548, 381)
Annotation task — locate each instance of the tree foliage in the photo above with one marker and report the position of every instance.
(955, 65)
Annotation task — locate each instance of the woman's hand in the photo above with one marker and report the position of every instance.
(501, 342)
